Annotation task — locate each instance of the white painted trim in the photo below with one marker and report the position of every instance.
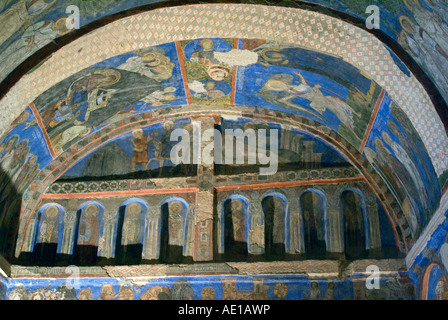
(436, 221)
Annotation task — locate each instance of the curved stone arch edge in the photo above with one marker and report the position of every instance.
(307, 125)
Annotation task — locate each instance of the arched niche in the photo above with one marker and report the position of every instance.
(276, 226)
(88, 233)
(173, 230)
(355, 224)
(130, 231)
(234, 224)
(435, 283)
(315, 227)
(48, 232)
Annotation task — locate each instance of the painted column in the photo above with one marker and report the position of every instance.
(203, 220)
(68, 233)
(296, 229)
(107, 242)
(151, 247)
(256, 228)
(374, 224)
(189, 245)
(335, 231)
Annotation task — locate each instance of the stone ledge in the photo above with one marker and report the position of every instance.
(312, 269)
(57, 272)
(386, 267)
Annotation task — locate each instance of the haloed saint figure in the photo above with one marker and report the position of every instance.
(129, 249)
(273, 208)
(87, 248)
(235, 244)
(46, 247)
(354, 234)
(172, 233)
(312, 210)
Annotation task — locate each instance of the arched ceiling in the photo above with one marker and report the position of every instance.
(276, 63)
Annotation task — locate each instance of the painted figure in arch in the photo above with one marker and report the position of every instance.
(273, 208)
(88, 234)
(161, 144)
(49, 228)
(68, 135)
(85, 294)
(172, 233)
(235, 244)
(22, 119)
(35, 37)
(130, 249)
(126, 294)
(107, 292)
(160, 97)
(411, 168)
(431, 23)
(8, 153)
(47, 241)
(176, 223)
(314, 293)
(313, 211)
(319, 102)
(354, 233)
(140, 155)
(441, 289)
(21, 15)
(153, 64)
(131, 226)
(205, 56)
(85, 95)
(426, 51)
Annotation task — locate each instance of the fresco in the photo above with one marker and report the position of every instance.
(125, 230)
(33, 24)
(313, 207)
(235, 222)
(268, 287)
(419, 26)
(96, 226)
(110, 91)
(317, 221)
(429, 15)
(428, 269)
(208, 78)
(223, 71)
(423, 36)
(296, 149)
(23, 154)
(404, 166)
(88, 234)
(48, 234)
(306, 83)
(144, 152)
(437, 284)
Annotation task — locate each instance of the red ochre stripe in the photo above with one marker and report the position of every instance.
(372, 121)
(183, 71)
(44, 130)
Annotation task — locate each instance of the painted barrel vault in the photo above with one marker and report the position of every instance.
(355, 119)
